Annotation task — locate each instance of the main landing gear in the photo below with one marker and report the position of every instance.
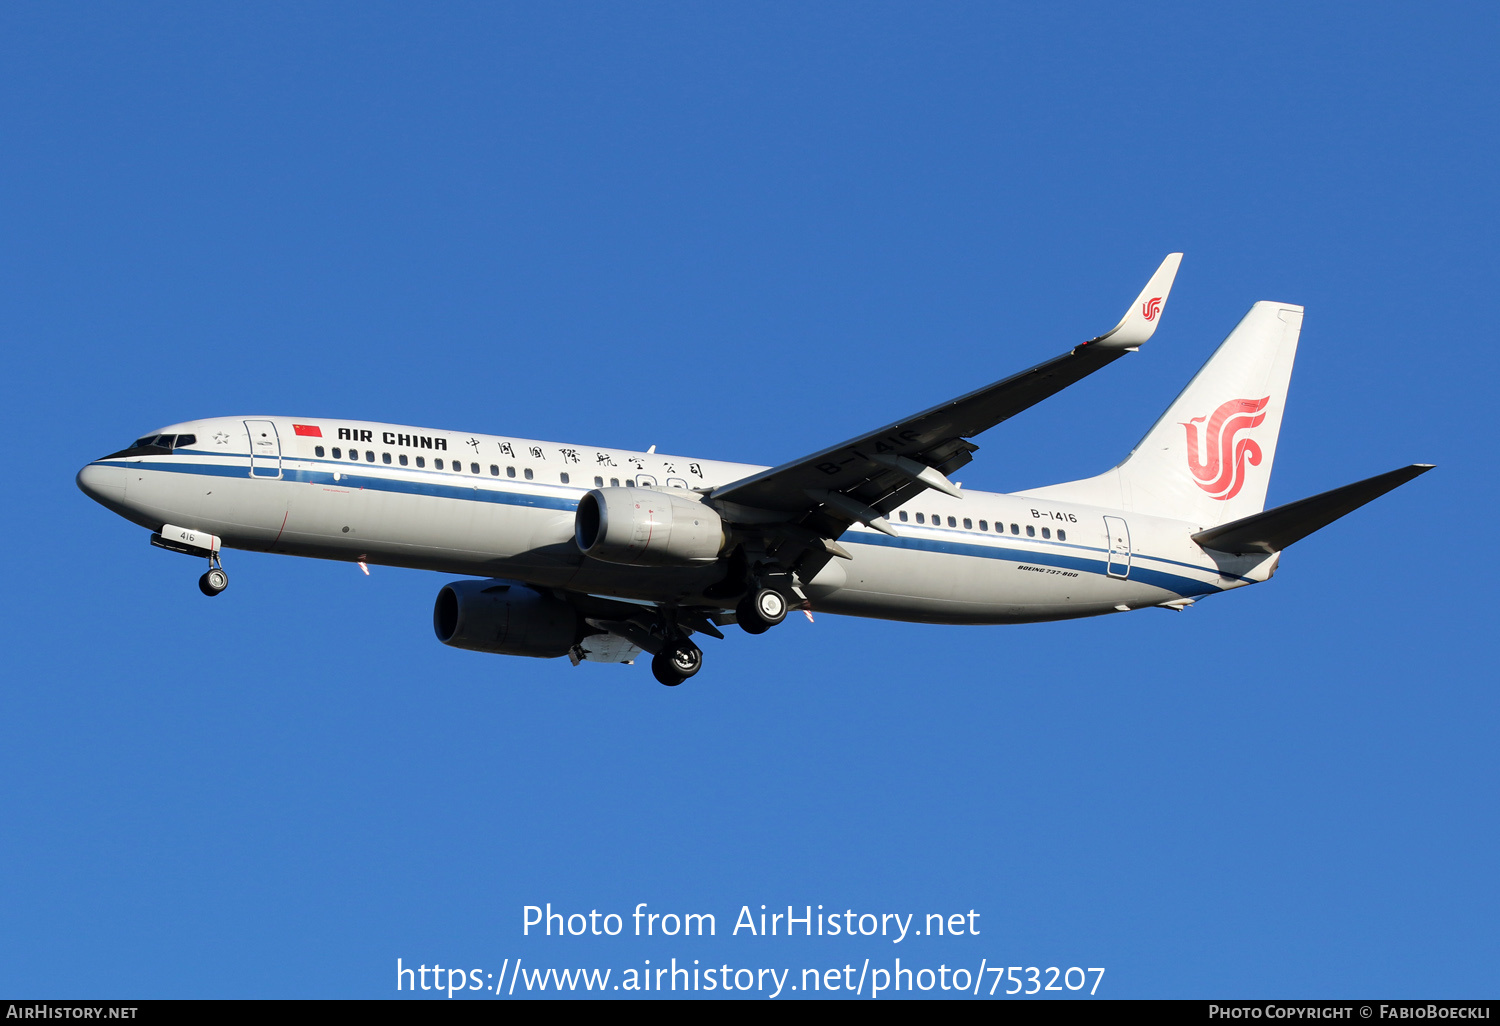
(760, 610)
(667, 632)
(678, 660)
(215, 580)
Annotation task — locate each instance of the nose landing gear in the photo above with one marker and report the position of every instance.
(193, 542)
(215, 580)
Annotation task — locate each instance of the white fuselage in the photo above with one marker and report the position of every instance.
(493, 506)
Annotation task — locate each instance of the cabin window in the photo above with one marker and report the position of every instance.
(952, 521)
(528, 474)
(968, 524)
(1046, 532)
(494, 470)
(984, 525)
(510, 471)
(1015, 528)
(438, 464)
(318, 450)
(564, 477)
(903, 516)
(354, 454)
(919, 518)
(369, 455)
(473, 468)
(421, 461)
(1062, 535)
(598, 482)
(614, 482)
(338, 453)
(385, 457)
(402, 458)
(1030, 531)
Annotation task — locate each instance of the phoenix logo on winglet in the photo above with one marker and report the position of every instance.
(1150, 308)
(1222, 473)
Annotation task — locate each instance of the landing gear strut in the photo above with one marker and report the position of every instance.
(761, 610)
(216, 580)
(676, 662)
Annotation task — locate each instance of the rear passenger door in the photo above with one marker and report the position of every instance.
(1119, 546)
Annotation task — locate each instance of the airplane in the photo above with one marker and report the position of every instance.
(601, 554)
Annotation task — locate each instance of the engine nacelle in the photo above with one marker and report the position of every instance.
(504, 618)
(642, 527)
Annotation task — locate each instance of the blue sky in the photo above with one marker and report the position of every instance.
(746, 232)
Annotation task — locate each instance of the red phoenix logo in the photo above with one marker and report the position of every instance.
(1150, 308)
(1221, 469)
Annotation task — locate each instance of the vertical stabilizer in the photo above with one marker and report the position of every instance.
(1208, 459)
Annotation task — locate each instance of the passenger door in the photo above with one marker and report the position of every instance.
(265, 449)
(1119, 546)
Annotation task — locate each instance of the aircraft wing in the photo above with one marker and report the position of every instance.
(868, 476)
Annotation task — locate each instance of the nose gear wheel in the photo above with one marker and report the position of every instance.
(213, 582)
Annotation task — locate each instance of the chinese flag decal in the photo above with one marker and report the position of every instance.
(309, 430)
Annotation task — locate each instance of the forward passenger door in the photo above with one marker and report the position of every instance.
(265, 449)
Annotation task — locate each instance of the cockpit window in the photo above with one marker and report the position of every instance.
(164, 441)
(153, 442)
(154, 445)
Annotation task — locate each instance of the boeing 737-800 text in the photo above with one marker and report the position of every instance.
(591, 553)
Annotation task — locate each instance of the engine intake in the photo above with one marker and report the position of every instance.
(504, 618)
(642, 527)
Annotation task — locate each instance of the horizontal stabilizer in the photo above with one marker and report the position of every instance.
(1277, 528)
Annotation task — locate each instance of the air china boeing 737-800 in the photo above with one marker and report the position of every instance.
(600, 554)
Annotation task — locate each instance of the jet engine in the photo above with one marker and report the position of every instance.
(504, 618)
(641, 527)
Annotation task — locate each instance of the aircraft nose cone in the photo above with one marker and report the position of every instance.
(105, 485)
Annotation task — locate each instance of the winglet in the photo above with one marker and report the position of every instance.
(1145, 313)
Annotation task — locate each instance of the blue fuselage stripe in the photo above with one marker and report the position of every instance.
(419, 482)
